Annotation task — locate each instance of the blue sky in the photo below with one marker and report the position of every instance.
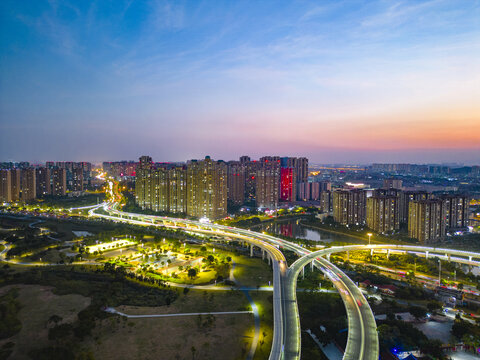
(337, 81)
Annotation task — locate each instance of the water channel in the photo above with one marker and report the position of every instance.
(294, 228)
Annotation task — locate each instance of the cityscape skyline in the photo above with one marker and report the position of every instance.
(337, 82)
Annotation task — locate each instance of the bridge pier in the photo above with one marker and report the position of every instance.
(311, 266)
(328, 257)
(263, 254)
(371, 252)
(348, 255)
(426, 254)
(303, 272)
(448, 257)
(251, 250)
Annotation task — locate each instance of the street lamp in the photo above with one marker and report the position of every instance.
(369, 237)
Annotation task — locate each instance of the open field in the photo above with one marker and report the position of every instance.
(38, 305)
(195, 301)
(220, 337)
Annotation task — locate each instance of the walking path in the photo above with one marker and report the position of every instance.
(114, 311)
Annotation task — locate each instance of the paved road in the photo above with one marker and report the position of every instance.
(362, 342)
(362, 338)
(278, 262)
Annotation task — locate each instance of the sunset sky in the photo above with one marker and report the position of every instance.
(336, 81)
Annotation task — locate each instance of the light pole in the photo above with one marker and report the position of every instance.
(369, 237)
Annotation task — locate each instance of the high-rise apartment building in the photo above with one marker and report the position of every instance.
(244, 159)
(16, 184)
(425, 220)
(159, 191)
(28, 187)
(268, 182)
(349, 206)
(146, 162)
(304, 191)
(177, 190)
(143, 185)
(383, 213)
(59, 182)
(77, 179)
(251, 168)
(43, 179)
(300, 166)
(236, 182)
(392, 183)
(5, 186)
(207, 188)
(288, 184)
(326, 201)
(455, 210)
(405, 198)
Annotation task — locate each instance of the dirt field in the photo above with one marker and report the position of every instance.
(38, 304)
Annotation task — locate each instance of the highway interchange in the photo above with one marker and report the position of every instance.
(362, 341)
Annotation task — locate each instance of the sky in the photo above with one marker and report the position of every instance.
(336, 81)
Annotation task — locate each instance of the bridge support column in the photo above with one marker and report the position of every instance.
(371, 252)
(269, 259)
(328, 257)
(303, 272)
(263, 254)
(251, 250)
(388, 254)
(311, 266)
(448, 257)
(348, 255)
(426, 254)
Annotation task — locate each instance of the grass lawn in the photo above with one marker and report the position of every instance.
(252, 271)
(264, 302)
(203, 277)
(38, 304)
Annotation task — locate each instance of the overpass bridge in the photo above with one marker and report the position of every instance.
(362, 342)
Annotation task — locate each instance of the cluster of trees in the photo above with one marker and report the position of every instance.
(326, 309)
(404, 336)
(9, 308)
(466, 332)
(25, 239)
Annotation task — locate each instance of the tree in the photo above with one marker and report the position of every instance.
(417, 311)
(434, 305)
(193, 352)
(192, 273)
(55, 319)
